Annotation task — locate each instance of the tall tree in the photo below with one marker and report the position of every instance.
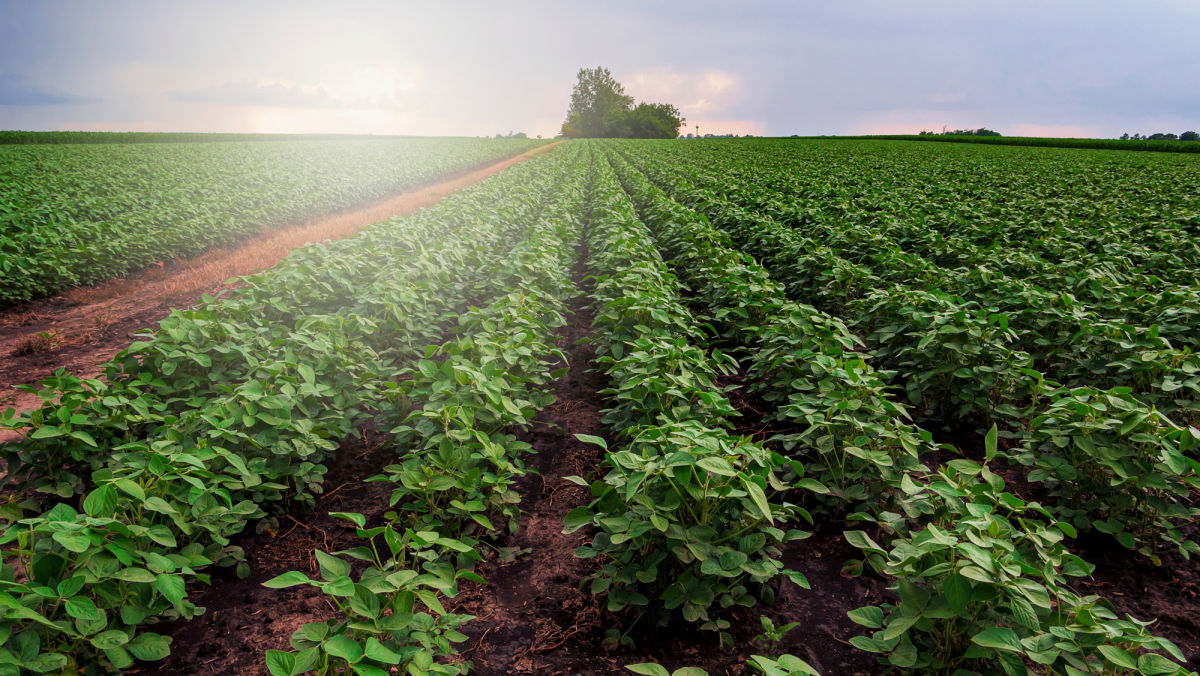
(600, 108)
(598, 103)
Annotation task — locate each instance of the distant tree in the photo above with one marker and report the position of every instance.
(598, 103)
(1125, 136)
(652, 120)
(1160, 136)
(1189, 136)
(600, 108)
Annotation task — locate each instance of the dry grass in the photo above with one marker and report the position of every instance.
(104, 317)
(113, 288)
(37, 343)
(19, 318)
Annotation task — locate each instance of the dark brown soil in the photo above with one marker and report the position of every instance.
(245, 619)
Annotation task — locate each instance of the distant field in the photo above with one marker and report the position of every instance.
(79, 214)
(1090, 143)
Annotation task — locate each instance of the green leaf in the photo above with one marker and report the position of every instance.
(77, 543)
(868, 616)
(577, 518)
(139, 575)
(45, 663)
(381, 653)
(591, 439)
(150, 647)
(1118, 657)
(280, 663)
(120, 657)
(47, 432)
(85, 438)
(1024, 613)
(958, 592)
(1000, 638)
(306, 372)
(716, 465)
(863, 541)
(83, 608)
(339, 586)
(288, 579)
(171, 587)
(759, 498)
(649, 669)
(110, 639)
(357, 519)
(989, 443)
(331, 566)
(344, 647)
(131, 488)
(1153, 663)
(101, 502)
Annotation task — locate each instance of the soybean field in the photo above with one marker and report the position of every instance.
(729, 406)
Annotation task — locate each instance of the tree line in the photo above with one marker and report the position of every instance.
(1185, 136)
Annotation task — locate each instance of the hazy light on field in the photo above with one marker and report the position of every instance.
(473, 68)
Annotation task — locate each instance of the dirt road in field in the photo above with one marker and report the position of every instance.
(84, 327)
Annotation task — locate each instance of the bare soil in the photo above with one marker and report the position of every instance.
(84, 327)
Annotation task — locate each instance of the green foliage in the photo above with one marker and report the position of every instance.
(600, 108)
(784, 665)
(1111, 464)
(684, 521)
(971, 597)
(80, 214)
(772, 635)
(234, 406)
(981, 574)
(392, 615)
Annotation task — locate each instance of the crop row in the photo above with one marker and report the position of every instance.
(453, 480)
(1069, 218)
(1112, 461)
(234, 407)
(79, 214)
(981, 575)
(684, 524)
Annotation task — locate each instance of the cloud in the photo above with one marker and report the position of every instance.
(245, 94)
(283, 94)
(1056, 130)
(693, 93)
(14, 93)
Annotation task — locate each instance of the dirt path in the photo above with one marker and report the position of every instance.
(85, 327)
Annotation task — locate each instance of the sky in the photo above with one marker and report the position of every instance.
(1066, 68)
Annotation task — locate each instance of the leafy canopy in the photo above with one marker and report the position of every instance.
(600, 108)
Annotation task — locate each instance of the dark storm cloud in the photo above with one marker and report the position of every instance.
(14, 93)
